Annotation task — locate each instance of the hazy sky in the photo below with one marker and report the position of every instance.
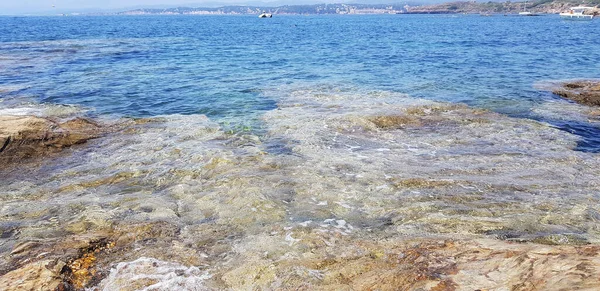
(46, 6)
(11, 7)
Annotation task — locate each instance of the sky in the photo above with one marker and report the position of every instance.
(8, 7)
(60, 6)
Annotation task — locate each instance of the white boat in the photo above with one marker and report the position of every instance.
(527, 13)
(265, 15)
(576, 13)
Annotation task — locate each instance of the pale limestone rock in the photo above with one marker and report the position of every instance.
(42, 275)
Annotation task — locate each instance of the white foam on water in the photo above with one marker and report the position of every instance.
(22, 111)
(149, 274)
(566, 111)
(43, 110)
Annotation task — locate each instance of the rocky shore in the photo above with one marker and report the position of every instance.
(345, 192)
(584, 92)
(469, 7)
(355, 264)
(28, 136)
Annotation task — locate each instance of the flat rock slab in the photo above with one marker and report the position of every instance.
(41, 275)
(583, 92)
(27, 136)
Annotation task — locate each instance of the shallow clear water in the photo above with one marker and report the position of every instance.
(218, 66)
(278, 143)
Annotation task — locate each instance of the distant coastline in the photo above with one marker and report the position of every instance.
(281, 10)
(508, 7)
(460, 7)
(404, 7)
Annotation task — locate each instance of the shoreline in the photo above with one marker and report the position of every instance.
(414, 263)
(181, 200)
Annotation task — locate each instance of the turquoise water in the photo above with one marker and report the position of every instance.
(219, 66)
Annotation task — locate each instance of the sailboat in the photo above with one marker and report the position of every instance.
(526, 13)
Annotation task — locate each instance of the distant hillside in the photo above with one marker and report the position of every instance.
(539, 6)
(286, 9)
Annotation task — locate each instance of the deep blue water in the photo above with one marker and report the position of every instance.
(220, 65)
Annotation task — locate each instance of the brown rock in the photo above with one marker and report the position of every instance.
(26, 136)
(81, 271)
(42, 275)
(583, 92)
(83, 258)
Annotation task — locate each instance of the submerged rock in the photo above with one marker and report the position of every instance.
(27, 136)
(369, 196)
(415, 264)
(561, 239)
(395, 121)
(583, 92)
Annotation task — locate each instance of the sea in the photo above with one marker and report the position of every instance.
(251, 139)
